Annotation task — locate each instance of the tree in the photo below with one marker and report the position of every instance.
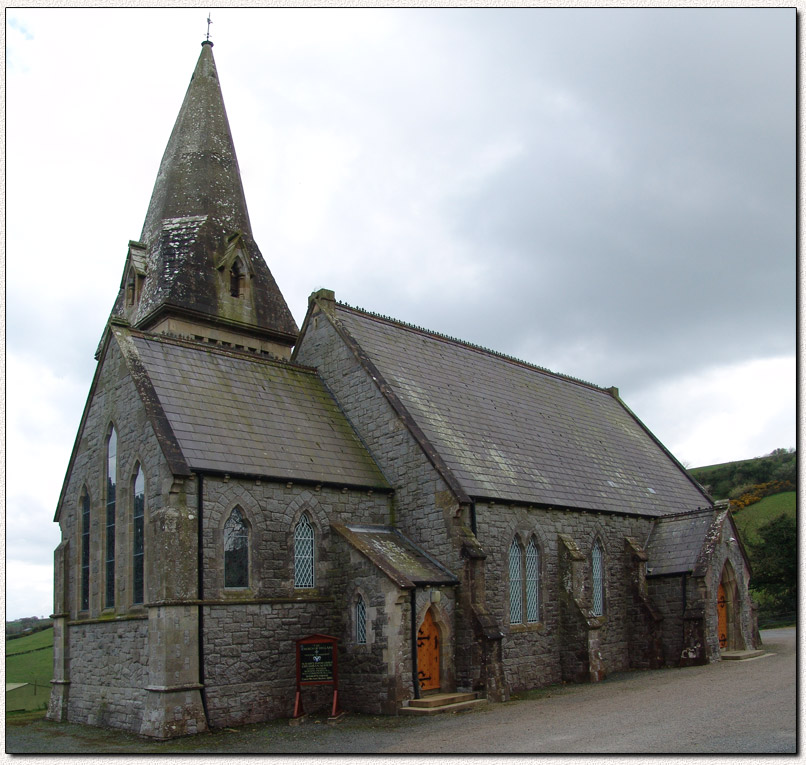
(775, 562)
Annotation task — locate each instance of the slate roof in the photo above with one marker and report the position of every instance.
(236, 413)
(675, 543)
(406, 564)
(510, 431)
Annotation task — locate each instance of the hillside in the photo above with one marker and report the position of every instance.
(29, 659)
(729, 479)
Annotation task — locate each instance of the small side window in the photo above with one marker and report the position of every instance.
(597, 576)
(304, 554)
(360, 621)
(236, 550)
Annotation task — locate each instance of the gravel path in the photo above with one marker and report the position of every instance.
(739, 707)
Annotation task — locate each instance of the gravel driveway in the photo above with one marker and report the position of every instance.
(737, 707)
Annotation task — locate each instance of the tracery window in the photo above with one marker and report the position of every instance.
(532, 582)
(236, 550)
(138, 540)
(360, 621)
(111, 484)
(304, 554)
(515, 583)
(85, 550)
(597, 576)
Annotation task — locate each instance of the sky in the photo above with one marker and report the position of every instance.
(608, 193)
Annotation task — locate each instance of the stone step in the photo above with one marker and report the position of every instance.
(441, 699)
(443, 702)
(739, 655)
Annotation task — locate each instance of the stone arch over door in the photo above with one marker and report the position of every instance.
(728, 605)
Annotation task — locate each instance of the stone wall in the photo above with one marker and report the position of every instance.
(532, 652)
(667, 594)
(250, 633)
(424, 507)
(109, 673)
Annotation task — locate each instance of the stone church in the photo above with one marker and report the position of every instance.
(460, 521)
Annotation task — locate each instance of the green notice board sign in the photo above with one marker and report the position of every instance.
(316, 662)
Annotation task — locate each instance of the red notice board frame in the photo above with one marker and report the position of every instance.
(317, 664)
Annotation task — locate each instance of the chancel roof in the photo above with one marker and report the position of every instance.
(510, 431)
(238, 413)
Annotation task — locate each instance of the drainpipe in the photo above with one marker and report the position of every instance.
(414, 673)
(473, 520)
(200, 586)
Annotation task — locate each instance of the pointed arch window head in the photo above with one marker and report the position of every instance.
(304, 554)
(597, 577)
(515, 583)
(360, 621)
(236, 550)
(138, 540)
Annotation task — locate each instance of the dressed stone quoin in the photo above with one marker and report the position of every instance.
(462, 522)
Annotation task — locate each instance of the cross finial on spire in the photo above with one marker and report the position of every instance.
(209, 21)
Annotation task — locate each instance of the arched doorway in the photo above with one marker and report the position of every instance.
(729, 629)
(428, 649)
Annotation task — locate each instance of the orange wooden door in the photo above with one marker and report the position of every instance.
(428, 653)
(722, 616)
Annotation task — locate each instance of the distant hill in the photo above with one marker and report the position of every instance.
(730, 480)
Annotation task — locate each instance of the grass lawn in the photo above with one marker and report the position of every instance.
(29, 660)
(749, 518)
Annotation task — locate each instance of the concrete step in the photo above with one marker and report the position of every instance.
(443, 702)
(739, 655)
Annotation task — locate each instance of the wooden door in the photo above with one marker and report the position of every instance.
(428, 653)
(722, 616)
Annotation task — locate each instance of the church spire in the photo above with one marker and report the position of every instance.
(196, 271)
(199, 172)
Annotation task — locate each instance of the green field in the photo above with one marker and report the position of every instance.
(749, 519)
(29, 660)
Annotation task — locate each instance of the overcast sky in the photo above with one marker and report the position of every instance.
(607, 193)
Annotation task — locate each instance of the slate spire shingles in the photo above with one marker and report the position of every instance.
(196, 219)
(199, 172)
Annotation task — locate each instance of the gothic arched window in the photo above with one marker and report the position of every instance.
(597, 577)
(532, 583)
(515, 583)
(303, 554)
(360, 621)
(111, 486)
(236, 550)
(138, 540)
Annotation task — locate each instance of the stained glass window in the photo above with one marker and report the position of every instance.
(111, 484)
(303, 554)
(138, 542)
(597, 573)
(360, 621)
(236, 550)
(515, 584)
(532, 582)
(85, 551)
